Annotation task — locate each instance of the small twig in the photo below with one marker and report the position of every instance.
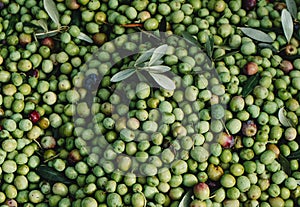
(226, 130)
(51, 158)
(37, 143)
(149, 34)
(51, 33)
(132, 25)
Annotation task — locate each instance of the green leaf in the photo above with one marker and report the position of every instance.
(285, 164)
(158, 62)
(158, 53)
(84, 37)
(143, 57)
(29, 24)
(292, 8)
(52, 175)
(158, 68)
(287, 24)
(122, 75)
(76, 18)
(294, 155)
(290, 57)
(250, 84)
(209, 46)
(187, 36)
(164, 81)
(163, 25)
(266, 45)
(43, 24)
(223, 47)
(282, 118)
(12, 22)
(52, 11)
(141, 76)
(186, 200)
(256, 34)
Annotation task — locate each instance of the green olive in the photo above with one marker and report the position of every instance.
(151, 24)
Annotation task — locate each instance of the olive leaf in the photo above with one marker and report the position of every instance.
(266, 45)
(43, 24)
(47, 34)
(153, 67)
(186, 200)
(287, 24)
(209, 46)
(158, 62)
(290, 57)
(30, 24)
(12, 22)
(164, 81)
(122, 75)
(145, 56)
(256, 34)
(285, 164)
(282, 118)
(292, 8)
(187, 36)
(163, 25)
(224, 47)
(158, 53)
(158, 68)
(294, 155)
(52, 175)
(250, 84)
(141, 77)
(76, 17)
(84, 37)
(52, 11)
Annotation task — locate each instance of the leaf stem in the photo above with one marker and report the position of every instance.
(226, 130)
(149, 34)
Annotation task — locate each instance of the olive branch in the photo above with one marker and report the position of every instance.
(53, 13)
(151, 63)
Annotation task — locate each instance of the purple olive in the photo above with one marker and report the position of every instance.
(249, 128)
(249, 4)
(74, 156)
(1, 5)
(286, 66)
(34, 116)
(49, 42)
(225, 140)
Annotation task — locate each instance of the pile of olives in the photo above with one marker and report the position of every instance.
(227, 135)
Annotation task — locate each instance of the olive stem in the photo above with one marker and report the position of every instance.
(271, 142)
(212, 196)
(51, 158)
(226, 130)
(50, 33)
(149, 34)
(279, 62)
(131, 25)
(37, 143)
(145, 200)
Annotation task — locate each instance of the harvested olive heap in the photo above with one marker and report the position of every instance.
(135, 103)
